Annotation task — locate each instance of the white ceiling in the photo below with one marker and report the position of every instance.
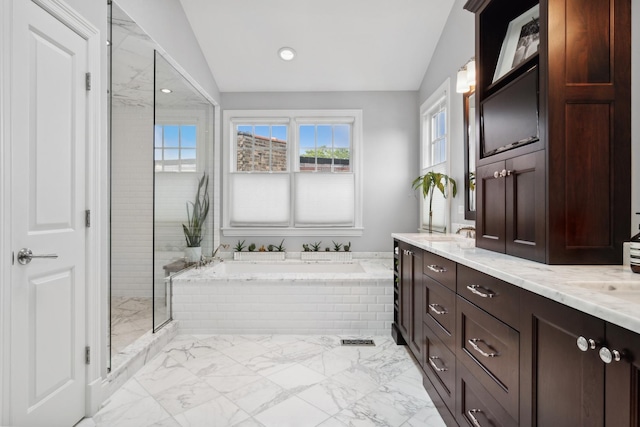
(342, 45)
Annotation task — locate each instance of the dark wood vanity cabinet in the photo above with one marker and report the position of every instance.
(495, 354)
(408, 319)
(569, 202)
(563, 385)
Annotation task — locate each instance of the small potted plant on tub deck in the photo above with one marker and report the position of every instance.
(312, 252)
(263, 253)
(197, 212)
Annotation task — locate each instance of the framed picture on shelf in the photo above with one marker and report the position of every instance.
(521, 41)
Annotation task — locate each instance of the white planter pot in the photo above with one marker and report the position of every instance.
(192, 254)
(259, 256)
(326, 256)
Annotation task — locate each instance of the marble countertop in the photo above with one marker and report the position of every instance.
(609, 292)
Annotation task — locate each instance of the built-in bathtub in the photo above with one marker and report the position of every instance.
(286, 297)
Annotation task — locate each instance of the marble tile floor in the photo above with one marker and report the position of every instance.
(131, 318)
(272, 381)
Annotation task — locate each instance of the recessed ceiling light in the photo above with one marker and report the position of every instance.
(286, 53)
(165, 90)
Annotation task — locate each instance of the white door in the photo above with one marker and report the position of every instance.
(48, 104)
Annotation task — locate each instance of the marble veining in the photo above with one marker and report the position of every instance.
(562, 283)
(286, 380)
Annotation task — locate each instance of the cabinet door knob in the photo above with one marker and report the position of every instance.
(471, 413)
(432, 362)
(608, 356)
(438, 309)
(496, 174)
(481, 292)
(585, 344)
(473, 342)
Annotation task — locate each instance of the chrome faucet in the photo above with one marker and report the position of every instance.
(222, 245)
(471, 231)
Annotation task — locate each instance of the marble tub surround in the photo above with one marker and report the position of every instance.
(273, 380)
(583, 287)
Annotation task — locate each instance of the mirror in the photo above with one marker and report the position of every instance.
(469, 102)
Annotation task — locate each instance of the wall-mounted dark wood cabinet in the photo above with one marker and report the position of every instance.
(569, 203)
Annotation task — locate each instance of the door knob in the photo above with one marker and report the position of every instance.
(25, 256)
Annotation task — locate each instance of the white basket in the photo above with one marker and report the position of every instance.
(258, 256)
(326, 256)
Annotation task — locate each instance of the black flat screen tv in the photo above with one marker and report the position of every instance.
(509, 118)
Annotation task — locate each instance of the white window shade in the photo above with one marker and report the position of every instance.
(324, 199)
(258, 199)
(439, 206)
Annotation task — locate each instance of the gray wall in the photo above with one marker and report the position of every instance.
(454, 49)
(456, 46)
(390, 145)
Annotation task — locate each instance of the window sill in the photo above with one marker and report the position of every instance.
(286, 231)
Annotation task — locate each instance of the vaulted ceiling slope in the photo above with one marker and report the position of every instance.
(341, 45)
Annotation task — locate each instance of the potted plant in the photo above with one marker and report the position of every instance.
(196, 217)
(429, 182)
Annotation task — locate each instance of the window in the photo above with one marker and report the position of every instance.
(292, 172)
(324, 147)
(175, 148)
(434, 148)
(261, 148)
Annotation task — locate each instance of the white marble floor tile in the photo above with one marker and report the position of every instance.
(327, 363)
(244, 351)
(331, 396)
(296, 376)
(258, 396)
(186, 395)
(218, 412)
(273, 380)
(293, 412)
(161, 373)
(426, 417)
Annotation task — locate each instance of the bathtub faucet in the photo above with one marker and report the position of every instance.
(223, 246)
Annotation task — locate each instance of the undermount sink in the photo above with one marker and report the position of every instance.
(626, 290)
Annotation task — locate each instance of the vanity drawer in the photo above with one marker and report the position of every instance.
(500, 299)
(490, 350)
(440, 310)
(440, 366)
(440, 269)
(476, 407)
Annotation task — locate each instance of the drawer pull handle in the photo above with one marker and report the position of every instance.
(480, 291)
(436, 268)
(473, 342)
(432, 362)
(471, 413)
(438, 309)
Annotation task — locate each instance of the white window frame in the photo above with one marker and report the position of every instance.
(186, 117)
(431, 105)
(293, 118)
